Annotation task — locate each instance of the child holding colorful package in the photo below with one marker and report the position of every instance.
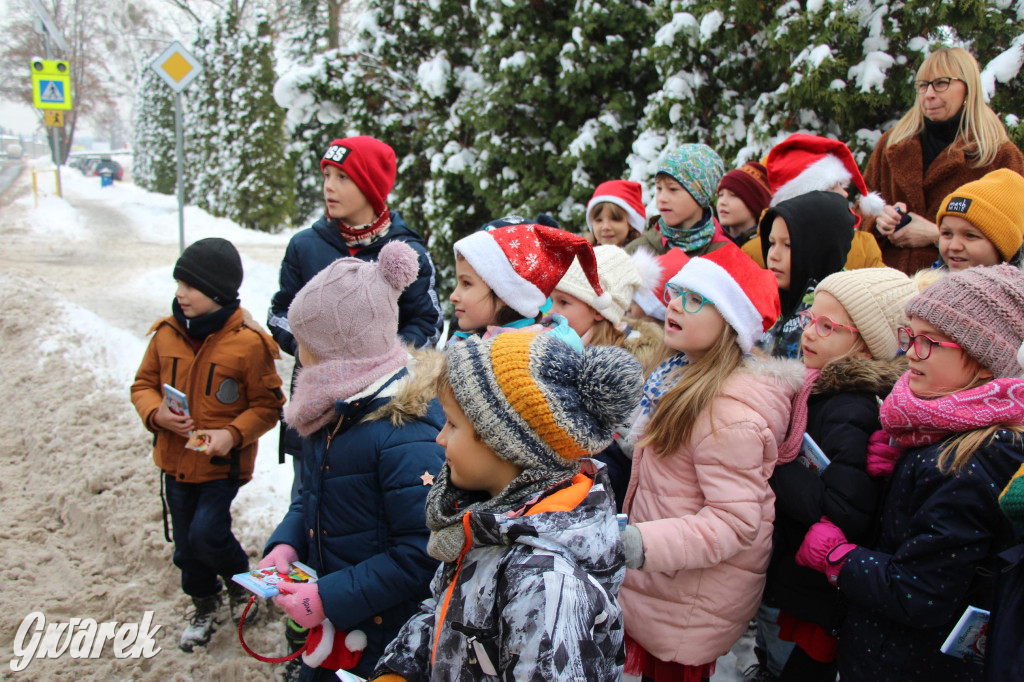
(368, 417)
(521, 518)
(699, 504)
(212, 351)
(685, 187)
(616, 213)
(982, 222)
(504, 275)
(743, 195)
(574, 299)
(803, 240)
(958, 413)
(851, 354)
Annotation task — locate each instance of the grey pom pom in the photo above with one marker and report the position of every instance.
(611, 382)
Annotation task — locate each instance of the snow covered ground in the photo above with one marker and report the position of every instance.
(82, 278)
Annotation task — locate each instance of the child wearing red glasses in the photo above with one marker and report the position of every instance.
(958, 414)
(850, 352)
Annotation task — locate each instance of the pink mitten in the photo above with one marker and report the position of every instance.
(824, 549)
(302, 602)
(280, 557)
(881, 456)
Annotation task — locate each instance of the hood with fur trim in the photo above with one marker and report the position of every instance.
(412, 395)
(860, 374)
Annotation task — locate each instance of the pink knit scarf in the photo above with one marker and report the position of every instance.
(913, 421)
(790, 447)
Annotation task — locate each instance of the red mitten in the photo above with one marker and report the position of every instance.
(824, 549)
(302, 602)
(328, 648)
(280, 557)
(881, 456)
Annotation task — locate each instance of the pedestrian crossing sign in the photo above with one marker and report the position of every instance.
(51, 84)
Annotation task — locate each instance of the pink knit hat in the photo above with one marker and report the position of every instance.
(982, 309)
(348, 313)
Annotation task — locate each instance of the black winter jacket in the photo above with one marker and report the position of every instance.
(842, 415)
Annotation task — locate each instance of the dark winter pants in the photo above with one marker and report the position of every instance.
(204, 546)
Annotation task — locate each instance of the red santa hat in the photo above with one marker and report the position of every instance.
(804, 163)
(656, 271)
(745, 294)
(333, 650)
(625, 194)
(524, 263)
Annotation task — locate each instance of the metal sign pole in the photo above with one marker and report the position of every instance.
(54, 138)
(179, 139)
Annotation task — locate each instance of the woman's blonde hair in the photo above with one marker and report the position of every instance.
(981, 132)
(698, 385)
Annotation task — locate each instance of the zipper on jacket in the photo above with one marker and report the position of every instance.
(209, 378)
(174, 370)
(318, 531)
(451, 587)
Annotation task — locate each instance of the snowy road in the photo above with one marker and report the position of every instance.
(81, 281)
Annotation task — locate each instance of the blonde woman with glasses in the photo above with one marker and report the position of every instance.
(948, 138)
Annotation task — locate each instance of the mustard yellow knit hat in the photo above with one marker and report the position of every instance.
(994, 205)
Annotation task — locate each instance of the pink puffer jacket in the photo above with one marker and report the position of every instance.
(705, 512)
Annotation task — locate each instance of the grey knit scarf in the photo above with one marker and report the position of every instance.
(447, 504)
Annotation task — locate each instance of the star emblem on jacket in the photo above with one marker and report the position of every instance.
(427, 478)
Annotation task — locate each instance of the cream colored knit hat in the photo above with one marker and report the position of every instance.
(874, 298)
(618, 276)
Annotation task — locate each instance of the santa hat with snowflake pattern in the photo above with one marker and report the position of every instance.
(739, 288)
(523, 263)
(803, 163)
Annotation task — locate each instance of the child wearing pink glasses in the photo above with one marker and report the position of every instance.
(958, 415)
(849, 348)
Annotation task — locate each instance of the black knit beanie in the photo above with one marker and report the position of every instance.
(212, 266)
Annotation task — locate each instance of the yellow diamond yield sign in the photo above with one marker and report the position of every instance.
(177, 67)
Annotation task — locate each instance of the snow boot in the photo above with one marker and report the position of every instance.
(295, 635)
(201, 622)
(238, 597)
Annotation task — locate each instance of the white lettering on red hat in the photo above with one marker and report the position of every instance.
(337, 154)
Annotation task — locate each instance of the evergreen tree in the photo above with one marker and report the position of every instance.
(740, 76)
(262, 197)
(153, 159)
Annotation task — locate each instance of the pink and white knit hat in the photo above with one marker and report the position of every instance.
(524, 263)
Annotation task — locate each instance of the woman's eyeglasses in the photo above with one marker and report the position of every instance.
(692, 301)
(922, 344)
(938, 84)
(823, 324)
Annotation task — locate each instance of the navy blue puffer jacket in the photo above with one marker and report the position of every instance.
(359, 518)
(941, 535)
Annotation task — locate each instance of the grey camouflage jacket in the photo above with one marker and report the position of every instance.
(533, 596)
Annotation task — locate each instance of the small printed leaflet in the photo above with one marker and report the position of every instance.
(812, 457)
(623, 520)
(967, 640)
(198, 440)
(263, 581)
(346, 676)
(176, 401)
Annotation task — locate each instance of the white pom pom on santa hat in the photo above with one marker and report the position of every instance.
(355, 640)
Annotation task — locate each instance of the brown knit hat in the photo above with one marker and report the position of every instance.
(874, 299)
(749, 182)
(982, 309)
(993, 205)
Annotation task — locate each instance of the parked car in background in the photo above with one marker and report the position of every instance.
(106, 164)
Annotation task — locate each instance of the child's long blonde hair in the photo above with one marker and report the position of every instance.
(699, 384)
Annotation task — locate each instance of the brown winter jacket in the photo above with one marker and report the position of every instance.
(896, 173)
(231, 383)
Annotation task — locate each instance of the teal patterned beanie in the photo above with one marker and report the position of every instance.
(698, 169)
